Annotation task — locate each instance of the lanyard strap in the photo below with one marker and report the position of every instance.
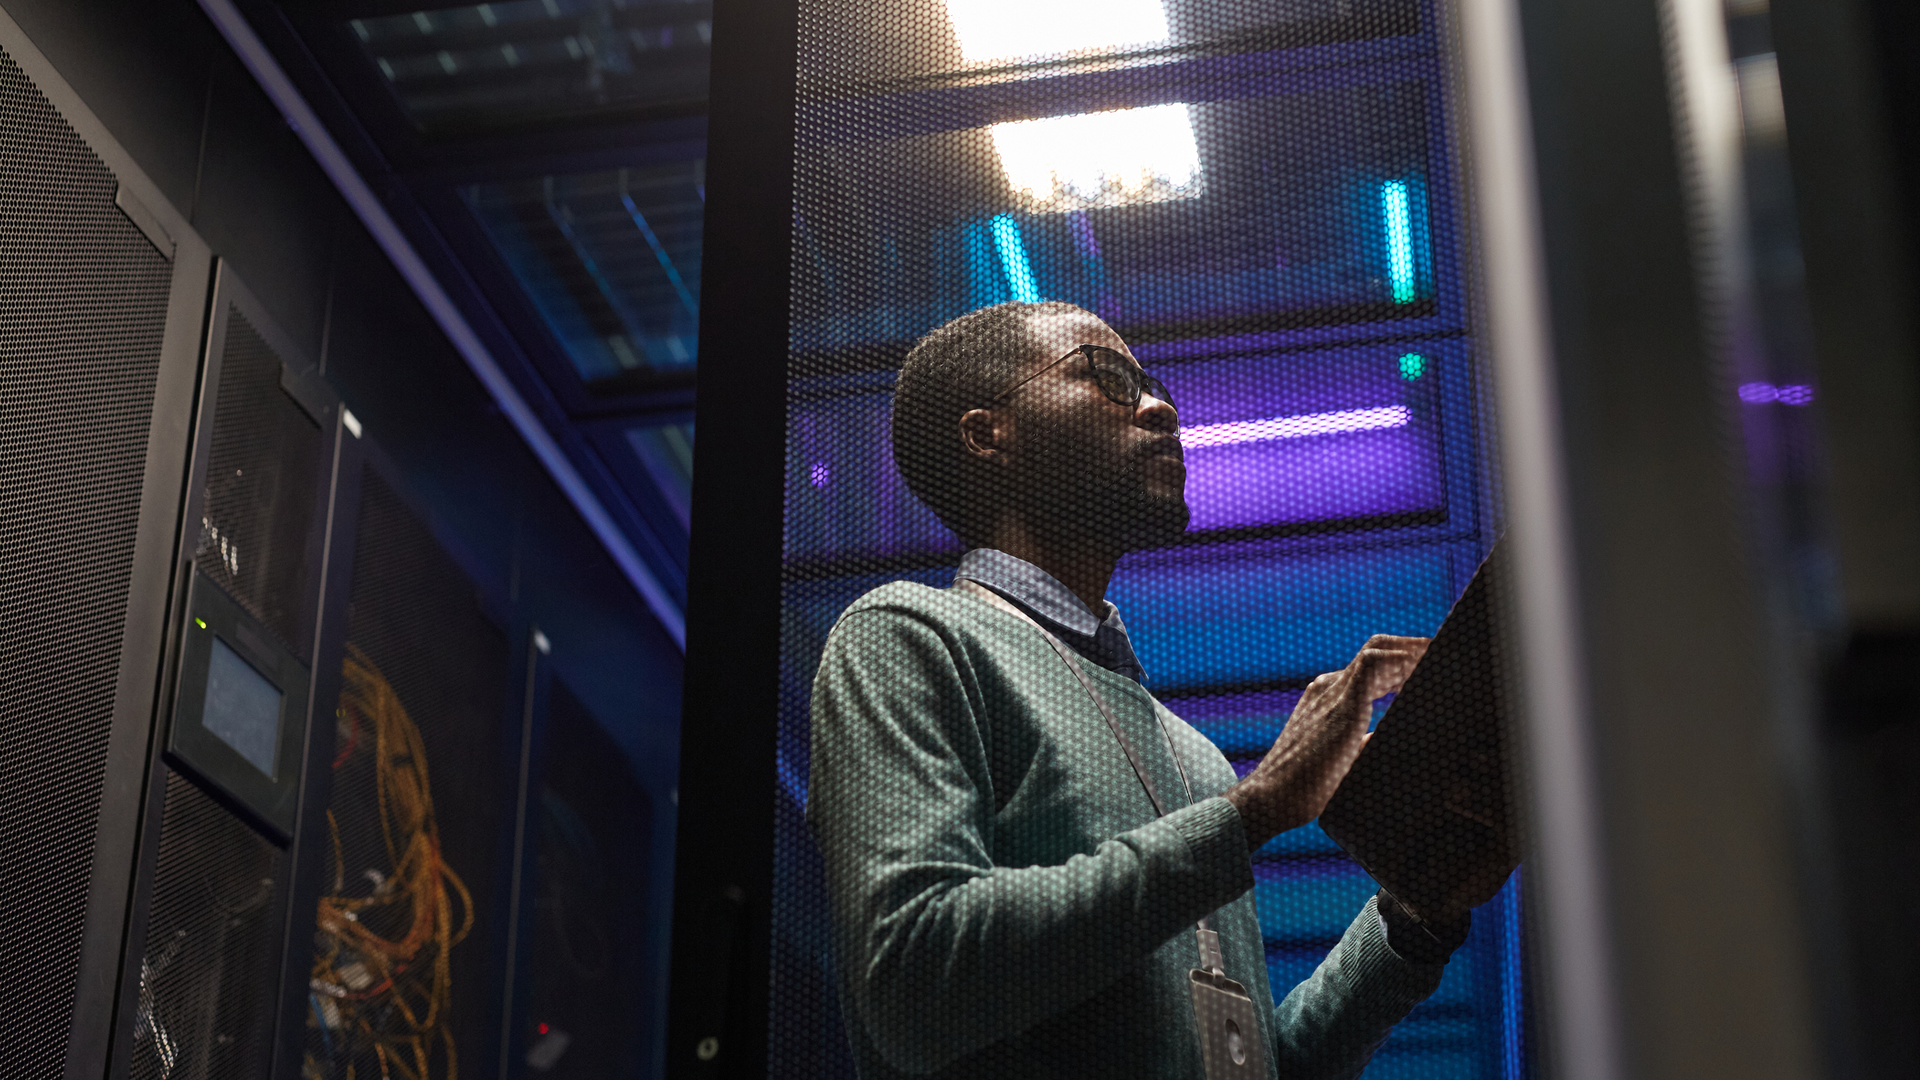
(1209, 941)
(1106, 713)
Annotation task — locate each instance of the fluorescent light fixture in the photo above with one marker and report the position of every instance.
(1296, 427)
(1396, 207)
(1088, 160)
(1013, 260)
(1013, 29)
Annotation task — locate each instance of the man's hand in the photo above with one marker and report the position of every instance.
(1293, 783)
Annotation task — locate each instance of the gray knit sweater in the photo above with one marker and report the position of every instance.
(1005, 902)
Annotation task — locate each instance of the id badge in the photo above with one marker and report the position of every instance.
(1230, 1042)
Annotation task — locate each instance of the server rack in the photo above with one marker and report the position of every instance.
(103, 319)
(589, 830)
(419, 825)
(252, 650)
(1321, 127)
(209, 563)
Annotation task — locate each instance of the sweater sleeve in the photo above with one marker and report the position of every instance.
(1329, 1026)
(945, 953)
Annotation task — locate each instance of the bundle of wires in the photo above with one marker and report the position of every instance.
(381, 980)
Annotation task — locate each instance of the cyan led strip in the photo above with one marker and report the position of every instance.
(1396, 207)
(1013, 259)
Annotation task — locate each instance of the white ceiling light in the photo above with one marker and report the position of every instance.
(1013, 29)
(1089, 160)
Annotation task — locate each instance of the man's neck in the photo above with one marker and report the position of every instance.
(1083, 567)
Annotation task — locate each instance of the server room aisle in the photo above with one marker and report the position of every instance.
(344, 711)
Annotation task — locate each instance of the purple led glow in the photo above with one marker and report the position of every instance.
(1272, 440)
(1352, 475)
(1759, 393)
(844, 496)
(1083, 235)
(1296, 427)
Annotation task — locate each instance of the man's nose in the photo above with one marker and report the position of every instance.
(1155, 414)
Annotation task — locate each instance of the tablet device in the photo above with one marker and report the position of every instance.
(1432, 794)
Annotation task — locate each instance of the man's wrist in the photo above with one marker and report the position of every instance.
(1419, 942)
(1254, 799)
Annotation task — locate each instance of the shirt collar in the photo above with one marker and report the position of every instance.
(1101, 638)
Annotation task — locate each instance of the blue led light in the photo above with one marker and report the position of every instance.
(1412, 366)
(1013, 260)
(1396, 208)
(1513, 1061)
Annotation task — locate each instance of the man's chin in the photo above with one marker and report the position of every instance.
(1160, 522)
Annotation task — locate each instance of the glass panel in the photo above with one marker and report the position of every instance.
(492, 65)
(610, 259)
(666, 451)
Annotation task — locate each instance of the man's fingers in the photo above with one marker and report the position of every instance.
(1380, 648)
(1381, 671)
(1329, 686)
(1382, 660)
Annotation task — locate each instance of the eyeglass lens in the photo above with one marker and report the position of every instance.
(1120, 380)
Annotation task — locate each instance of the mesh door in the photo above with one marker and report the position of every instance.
(205, 1010)
(420, 796)
(263, 472)
(83, 301)
(1262, 200)
(589, 986)
(210, 969)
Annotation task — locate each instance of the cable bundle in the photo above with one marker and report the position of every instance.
(381, 981)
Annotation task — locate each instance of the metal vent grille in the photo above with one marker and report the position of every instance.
(83, 300)
(207, 978)
(263, 469)
(417, 812)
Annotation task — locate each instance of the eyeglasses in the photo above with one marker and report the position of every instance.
(1119, 379)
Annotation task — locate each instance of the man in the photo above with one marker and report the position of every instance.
(1007, 900)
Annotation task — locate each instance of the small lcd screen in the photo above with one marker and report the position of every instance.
(242, 708)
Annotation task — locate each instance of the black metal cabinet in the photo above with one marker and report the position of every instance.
(273, 777)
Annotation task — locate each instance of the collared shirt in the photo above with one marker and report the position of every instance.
(1100, 638)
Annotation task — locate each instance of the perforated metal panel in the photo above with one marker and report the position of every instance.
(263, 472)
(83, 299)
(206, 1002)
(1259, 203)
(420, 798)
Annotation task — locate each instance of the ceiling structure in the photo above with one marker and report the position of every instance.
(545, 160)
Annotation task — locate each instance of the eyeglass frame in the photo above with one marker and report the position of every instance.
(1140, 382)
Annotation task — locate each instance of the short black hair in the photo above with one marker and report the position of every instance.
(955, 368)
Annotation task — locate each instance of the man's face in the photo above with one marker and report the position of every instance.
(1084, 463)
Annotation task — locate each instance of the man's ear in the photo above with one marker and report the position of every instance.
(987, 433)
